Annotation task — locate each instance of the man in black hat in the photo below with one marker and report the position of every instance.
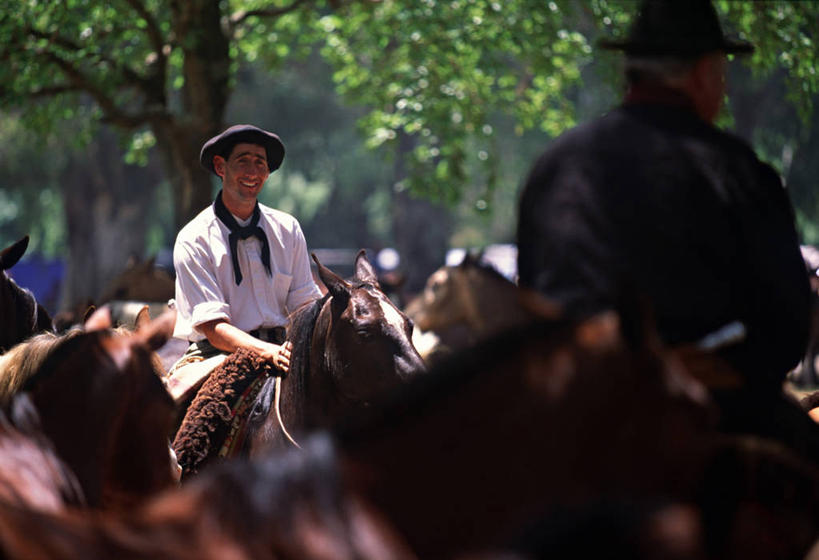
(652, 199)
(241, 267)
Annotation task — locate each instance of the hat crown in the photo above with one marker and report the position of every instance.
(677, 27)
(239, 133)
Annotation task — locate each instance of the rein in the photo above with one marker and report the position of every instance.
(303, 328)
(276, 398)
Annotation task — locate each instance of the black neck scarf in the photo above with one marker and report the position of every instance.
(238, 232)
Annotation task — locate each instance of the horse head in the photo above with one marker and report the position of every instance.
(106, 410)
(466, 303)
(362, 341)
(140, 281)
(20, 314)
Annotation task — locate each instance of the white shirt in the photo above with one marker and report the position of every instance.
(205, 286)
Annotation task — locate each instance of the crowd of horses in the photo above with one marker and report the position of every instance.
(517, 434)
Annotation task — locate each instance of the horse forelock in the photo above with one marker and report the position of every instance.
(484, 267)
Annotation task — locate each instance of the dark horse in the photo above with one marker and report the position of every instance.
(349, 347)
(20, 314)
(103, 405)
(559, 440)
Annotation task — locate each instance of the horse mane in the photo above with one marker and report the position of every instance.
(483, 266)
(301, 324)
(274, 485)
(22, 361)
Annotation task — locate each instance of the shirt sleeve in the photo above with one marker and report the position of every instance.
(199, 297)
(303, 288)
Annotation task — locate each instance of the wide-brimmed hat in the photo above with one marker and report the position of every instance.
(238, 134)
(676, 28)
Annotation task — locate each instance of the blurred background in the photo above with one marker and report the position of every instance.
(410, 125)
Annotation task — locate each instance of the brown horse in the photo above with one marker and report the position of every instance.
(288, 505)
(350, 347)
(543, 436)
(461, 305)
(20, 314)
(558, 440)
(104, 407)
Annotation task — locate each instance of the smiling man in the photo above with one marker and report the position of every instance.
(241, 267)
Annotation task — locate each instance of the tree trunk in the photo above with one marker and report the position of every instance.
(204, 96)
(106, 204)
(178, 149)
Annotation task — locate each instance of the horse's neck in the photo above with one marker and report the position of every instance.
(491, 303)
(400, 479)
(320, 402)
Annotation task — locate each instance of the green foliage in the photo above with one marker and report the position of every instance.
(438, 72)
(784, 34)
(461, 93)
(29, 192)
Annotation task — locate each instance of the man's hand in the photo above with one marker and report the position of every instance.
(277, 355)
(228, 338)
(281, 358)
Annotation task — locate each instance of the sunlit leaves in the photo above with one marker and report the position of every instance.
(433, 74)
(440, 71)
(785, 35)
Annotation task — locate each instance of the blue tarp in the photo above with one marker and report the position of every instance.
(43, 277)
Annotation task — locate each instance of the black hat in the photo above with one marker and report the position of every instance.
(676, 28)
(221, 144)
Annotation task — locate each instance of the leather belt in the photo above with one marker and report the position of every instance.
(276, 335)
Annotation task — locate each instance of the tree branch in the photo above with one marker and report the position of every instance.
(239, 17)
(112, 113)
(152, 29)
(51, 91)
(129, 74)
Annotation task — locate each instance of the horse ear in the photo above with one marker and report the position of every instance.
(156, 333)
(337, 286)
(89, 311)
(99, 319)
(11, 254)
(472, 259)
(143, 318)
(364, 271)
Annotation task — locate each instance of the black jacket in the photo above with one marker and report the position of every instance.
(651, 199)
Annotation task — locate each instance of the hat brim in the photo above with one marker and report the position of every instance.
(238, 134)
